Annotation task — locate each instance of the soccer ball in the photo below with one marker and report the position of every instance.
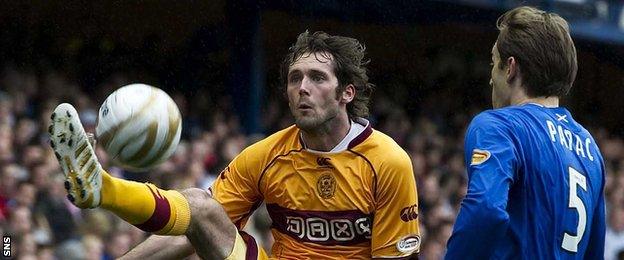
(139, 126)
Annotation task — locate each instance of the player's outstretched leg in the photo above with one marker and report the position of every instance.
(151, 209)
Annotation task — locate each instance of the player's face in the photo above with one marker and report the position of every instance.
(312, 91)
(501, 94)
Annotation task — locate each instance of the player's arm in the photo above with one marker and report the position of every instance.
(153, 247)
(236, 188)
(395, 233)
(596, 244)
(491, 162)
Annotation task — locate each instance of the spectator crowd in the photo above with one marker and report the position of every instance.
(44, 225)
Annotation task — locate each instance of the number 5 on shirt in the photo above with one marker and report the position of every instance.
(570, 242)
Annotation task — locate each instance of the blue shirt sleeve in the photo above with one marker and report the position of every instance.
(491, 162)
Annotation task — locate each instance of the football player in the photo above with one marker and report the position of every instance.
(334, 187)
(536, 176)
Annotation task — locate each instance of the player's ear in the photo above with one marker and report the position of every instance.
(512, 69)
(348, 94)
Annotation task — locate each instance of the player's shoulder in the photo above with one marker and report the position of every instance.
(500, 118)
(280, 142)
(494, 115)
(391, 163)
(382, 141)
(380, 149)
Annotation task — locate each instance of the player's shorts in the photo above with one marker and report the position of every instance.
(246, 248)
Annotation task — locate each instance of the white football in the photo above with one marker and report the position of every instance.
(139, 126)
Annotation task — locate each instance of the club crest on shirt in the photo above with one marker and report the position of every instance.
(479, 156)
(326, 186)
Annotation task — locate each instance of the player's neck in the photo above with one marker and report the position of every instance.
(544, 101)
(519, 97)
(324, 138)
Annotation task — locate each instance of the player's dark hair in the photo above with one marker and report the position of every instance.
(544, 51)
(349, 65)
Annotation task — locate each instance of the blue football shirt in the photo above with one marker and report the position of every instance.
(535, 188)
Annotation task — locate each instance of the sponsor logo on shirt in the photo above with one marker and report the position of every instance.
(347, 227)
(479, 156)
(409, 213)
(408, 244)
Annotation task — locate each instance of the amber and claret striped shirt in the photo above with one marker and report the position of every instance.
(356, 203)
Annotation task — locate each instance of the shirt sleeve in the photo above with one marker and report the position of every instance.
(491, 160)
(237, 191)
(395, 230)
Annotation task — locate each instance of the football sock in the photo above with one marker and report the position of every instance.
(163, 212)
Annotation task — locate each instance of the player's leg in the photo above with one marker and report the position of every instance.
(178, 247)
(144, 205)
(210, 234)
(164, 212)
(210, 231)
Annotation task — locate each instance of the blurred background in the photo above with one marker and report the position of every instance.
(220, 60)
